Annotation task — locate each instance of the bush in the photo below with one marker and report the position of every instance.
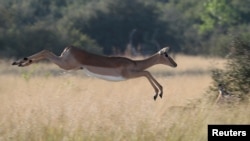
(236, 76)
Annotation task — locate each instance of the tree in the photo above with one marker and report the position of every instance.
(217, 13)
(113, 22)
(191, 27)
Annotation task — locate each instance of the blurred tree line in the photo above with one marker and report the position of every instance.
(111, 26)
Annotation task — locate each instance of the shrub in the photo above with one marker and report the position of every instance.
(236, 76)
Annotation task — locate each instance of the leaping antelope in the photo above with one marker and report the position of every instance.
(104, 67)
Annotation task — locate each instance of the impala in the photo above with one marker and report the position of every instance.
(104, 67)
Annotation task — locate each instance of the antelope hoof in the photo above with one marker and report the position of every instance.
(24, 62)
(155, 97)
(160, 95)
(14, 63)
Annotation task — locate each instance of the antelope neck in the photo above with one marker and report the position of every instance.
(146, 63)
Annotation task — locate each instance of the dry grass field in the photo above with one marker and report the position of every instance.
(44, 103)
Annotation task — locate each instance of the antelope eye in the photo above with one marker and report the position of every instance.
(166, 55)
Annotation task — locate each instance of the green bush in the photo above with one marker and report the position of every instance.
(236, 75)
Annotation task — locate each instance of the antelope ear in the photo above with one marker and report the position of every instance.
(164, 50)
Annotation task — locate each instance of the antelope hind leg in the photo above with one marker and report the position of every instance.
(22, 62)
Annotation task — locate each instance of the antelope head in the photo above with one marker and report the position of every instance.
(165, 58)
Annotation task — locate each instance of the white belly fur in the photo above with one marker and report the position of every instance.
(105, 77)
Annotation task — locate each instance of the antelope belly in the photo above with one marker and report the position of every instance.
(105, 77)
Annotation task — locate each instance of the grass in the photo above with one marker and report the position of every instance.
(43, 103)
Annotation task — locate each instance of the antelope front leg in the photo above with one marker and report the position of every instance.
(161, 91)
(158, 91)
(157, 87)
